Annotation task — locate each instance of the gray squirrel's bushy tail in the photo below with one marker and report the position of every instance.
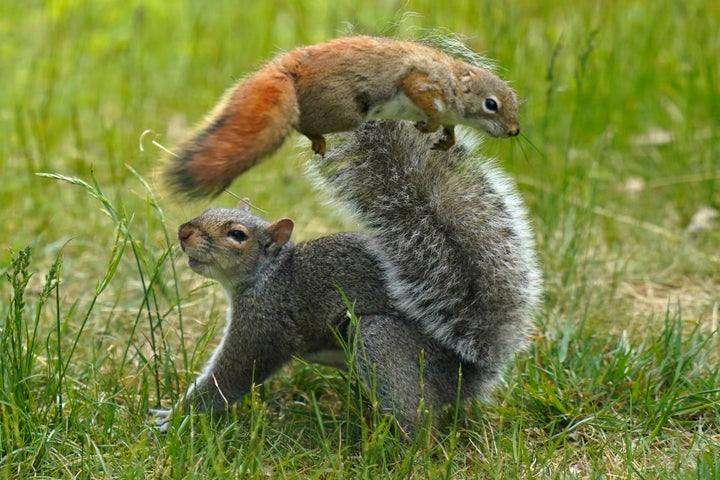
(459, 250)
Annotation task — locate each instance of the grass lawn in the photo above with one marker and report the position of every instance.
(101, 320)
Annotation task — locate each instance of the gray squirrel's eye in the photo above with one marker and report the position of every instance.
(238, 235)
(491, 105)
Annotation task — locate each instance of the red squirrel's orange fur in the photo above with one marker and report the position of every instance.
(334, 87)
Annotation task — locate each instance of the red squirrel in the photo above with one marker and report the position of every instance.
(334, 87)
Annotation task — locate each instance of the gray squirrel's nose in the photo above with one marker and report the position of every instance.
(184, 232)
(513, 131)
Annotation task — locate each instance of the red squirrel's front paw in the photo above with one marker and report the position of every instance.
(446, 141)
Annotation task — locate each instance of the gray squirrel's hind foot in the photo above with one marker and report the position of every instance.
(412, 373)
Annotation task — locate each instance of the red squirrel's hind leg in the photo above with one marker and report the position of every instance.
(447, 140)
(318, 143)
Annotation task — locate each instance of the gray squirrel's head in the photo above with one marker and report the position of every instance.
(231, 245)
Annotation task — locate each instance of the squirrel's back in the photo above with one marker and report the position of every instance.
(454, 232)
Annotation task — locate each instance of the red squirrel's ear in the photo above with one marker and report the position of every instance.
(279, 233)
(464, 80)
(244, 204)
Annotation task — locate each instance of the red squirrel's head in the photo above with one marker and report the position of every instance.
(489, 103)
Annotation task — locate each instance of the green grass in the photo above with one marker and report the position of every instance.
(100, 320)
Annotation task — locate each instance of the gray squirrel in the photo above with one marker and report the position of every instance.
(446, 272)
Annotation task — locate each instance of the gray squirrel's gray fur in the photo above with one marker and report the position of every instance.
(453, 231)
(447, 273)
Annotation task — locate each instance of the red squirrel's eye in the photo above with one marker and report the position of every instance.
(238, 235)
(491, 105)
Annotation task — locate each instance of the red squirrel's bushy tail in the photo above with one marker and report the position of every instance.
(250, 122)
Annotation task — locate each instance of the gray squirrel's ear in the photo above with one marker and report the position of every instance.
(278, 234)
(244, 204)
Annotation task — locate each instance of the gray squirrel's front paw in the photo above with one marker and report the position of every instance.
(162, 419)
